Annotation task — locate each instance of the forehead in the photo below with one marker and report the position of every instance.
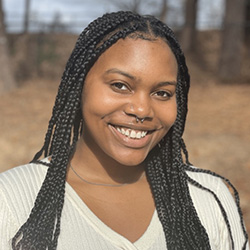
(138, 54)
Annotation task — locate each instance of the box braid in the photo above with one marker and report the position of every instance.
(165, 169)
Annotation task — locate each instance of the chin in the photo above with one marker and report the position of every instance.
(130, 160)
(131, 163)
(129, 156)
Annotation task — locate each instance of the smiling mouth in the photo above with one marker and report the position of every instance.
(131, 133)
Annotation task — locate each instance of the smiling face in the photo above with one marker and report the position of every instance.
(133, 78)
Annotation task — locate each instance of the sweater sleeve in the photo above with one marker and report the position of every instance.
(211, 215)
(8, 226)
(18, 189)
(232, 212)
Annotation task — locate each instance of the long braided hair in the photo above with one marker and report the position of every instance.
(165, 168)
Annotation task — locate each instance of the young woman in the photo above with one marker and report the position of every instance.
(113, 176)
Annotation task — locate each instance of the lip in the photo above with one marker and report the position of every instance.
(134, 126)
(131, 142)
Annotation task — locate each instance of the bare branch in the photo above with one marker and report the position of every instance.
(7, 81)
(133, 6)
(26, 16)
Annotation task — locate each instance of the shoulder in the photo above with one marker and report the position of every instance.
(19, 187)
(209, 186)
(23, 177)
(211, 190)
(211, 196)
(204, 178)
(205, 190)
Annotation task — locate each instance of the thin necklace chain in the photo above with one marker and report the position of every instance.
(104, 184)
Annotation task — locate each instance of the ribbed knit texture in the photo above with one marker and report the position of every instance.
(81, 229)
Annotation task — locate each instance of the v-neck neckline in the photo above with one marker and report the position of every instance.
(143, 243)
(145, 240)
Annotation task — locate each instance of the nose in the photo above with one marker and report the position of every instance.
(140, 106)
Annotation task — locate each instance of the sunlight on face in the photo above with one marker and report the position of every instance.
(133, 78)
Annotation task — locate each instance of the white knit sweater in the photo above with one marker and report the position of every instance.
(81, 229)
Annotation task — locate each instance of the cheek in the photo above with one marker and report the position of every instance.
(169, 115)
(173, 114)
(94, 103)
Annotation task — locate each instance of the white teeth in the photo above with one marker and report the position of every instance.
(132, 133)
(138, 135)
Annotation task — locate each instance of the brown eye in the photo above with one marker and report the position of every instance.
(163, 95)
(119, 86)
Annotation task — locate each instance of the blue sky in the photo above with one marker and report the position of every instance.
(79, 13)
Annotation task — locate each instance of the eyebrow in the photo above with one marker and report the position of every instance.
(118, 71)
(162, 84)
(114, 70)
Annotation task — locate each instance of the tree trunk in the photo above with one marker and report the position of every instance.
(7, 81)
(133, 6)
(232, 40)
(164, 10)
(247, 22)
(26, 16)
(188, 36)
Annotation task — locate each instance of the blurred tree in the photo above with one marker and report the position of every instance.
(160, 8)
(232, 40)
(7, 81)
(188, 36)
(57, 24)
(247, 20)
(133, 6)
(164, 10)
(26, 16)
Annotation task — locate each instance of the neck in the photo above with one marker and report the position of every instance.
(100, 168)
